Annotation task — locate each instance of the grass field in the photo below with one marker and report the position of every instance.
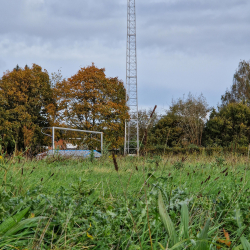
(84, 204)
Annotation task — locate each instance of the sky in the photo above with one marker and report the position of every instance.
(182, 45)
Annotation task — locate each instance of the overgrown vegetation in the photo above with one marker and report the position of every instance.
(194, 202)
(91, 101)
(194, 196)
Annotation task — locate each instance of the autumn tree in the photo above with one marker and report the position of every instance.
(91, 101)
(25, 99)
(192, 113)
(240, 89)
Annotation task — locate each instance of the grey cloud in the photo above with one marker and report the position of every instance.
(183, 45)
(65, 19)
(91, 10)
(189, 26)
(194, 26)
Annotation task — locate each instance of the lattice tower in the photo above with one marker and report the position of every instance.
(131, 145)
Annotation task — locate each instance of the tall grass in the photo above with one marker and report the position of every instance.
(88, 203)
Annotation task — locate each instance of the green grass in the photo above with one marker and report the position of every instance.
(89, 204)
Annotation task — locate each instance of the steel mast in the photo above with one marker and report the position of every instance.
(131, 144)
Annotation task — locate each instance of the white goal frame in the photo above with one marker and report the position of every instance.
(77, 130)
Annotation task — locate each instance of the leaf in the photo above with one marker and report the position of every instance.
(90, 236)
(202, 243)
(162, 247)
(12, 221)
(227, 241)
(238, 247)
(28, 223)
(167, 220)
(184, 220)
(238, 219)
(245, 243)
(179, 244)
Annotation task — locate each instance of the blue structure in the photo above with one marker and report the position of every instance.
(70, 153)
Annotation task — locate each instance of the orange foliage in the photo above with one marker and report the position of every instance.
(30, 100)
(28, 134)
(25, 95)
(227, 241)
(91, 101)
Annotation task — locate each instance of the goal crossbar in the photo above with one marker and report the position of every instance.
(76, 130)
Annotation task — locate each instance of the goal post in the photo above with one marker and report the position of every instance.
(75, 130)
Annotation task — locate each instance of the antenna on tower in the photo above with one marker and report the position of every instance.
(131, 143)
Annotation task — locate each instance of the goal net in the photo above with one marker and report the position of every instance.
(74, 142)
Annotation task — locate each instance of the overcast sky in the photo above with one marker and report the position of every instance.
(182, 45)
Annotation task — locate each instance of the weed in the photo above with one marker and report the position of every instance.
(81, 204)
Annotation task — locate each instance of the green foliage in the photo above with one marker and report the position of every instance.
(244, 242)
(27, 223)
(240, 90)
(182, 241)
(78, 203)
(202, 243)
(191, 112)
(92, 155)
(167, 131)
(144, 121)
(229, 126)
(167, 221)
(12, 221)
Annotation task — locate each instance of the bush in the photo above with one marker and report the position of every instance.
(193, 149)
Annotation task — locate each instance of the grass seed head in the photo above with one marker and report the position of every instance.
(208, 178)
(184, 159)
(224, 170)
(115, 162)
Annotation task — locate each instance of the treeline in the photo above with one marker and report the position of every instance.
(191, 125)
(31, 99)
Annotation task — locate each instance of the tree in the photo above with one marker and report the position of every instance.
(91, 101)
(191, 112)
(231, 124)
(25, 98)
(144, 121)
(167, 131)
(240, 90)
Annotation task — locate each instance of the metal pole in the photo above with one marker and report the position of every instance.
(101, 143)
(53, 139)
(131, 145)
(77, 130)
(125, 138)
